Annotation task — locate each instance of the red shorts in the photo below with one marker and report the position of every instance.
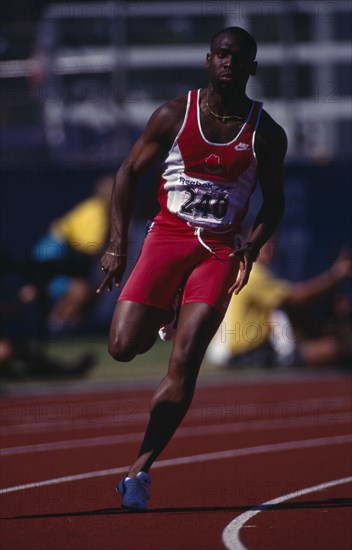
(173, 256)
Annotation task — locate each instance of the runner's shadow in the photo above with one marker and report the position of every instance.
(327, 503)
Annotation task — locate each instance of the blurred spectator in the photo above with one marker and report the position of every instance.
(263, 324)
(23, 356)
(65, 257)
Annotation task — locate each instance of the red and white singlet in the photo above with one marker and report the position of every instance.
(209, 184)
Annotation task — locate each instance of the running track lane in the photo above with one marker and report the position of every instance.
(296, 438)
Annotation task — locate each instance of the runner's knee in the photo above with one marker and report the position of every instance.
(183, 373)
(121, 349)
(185, 360)
(125, 347)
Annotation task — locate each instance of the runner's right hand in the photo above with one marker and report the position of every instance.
(114, 268)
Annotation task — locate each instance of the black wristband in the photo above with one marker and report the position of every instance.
(253, 249)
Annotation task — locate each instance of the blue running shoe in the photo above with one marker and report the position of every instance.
(135, 491)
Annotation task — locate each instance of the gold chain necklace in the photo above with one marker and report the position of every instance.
(221, 117)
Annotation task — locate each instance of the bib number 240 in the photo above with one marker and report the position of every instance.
(206, 205)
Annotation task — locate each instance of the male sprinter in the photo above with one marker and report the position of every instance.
(212, 144)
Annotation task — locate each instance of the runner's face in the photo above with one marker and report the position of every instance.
(230, 63)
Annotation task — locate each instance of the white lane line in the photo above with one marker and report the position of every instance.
(231, 533)
(205, 457)
(183, 432)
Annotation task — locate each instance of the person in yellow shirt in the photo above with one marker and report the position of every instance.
(84, 228)
(66, 255)
(258, 329)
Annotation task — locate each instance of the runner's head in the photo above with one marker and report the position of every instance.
(231, 60)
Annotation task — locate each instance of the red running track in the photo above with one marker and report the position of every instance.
(260, 464)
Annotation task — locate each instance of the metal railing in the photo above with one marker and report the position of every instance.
(119, 104)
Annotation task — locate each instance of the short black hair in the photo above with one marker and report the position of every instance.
(247, 38)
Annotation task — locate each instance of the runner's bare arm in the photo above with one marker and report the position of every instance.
(271, 146)
(156, 139)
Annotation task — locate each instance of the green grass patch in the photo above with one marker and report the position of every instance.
(152, 364)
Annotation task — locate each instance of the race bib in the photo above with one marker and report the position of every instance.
(203, 203)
